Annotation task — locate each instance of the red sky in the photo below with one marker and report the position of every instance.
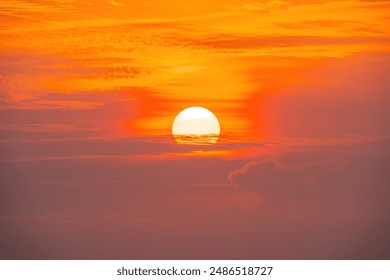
(88, 94)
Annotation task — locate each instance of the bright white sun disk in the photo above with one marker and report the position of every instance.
(196, 125)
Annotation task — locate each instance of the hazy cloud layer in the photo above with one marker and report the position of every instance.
(88, 94)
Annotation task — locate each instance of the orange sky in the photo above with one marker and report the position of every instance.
(89, 91)
(229, 56)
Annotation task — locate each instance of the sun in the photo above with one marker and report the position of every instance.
(196, 126)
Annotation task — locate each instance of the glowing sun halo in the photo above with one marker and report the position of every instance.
(196, 126)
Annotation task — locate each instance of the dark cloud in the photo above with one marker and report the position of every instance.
(326, 197)
(322, 202)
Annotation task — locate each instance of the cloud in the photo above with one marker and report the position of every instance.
(277, 182)
(260, 6)
(42, 128)
(298, 201)
(116, 3)
(315, 174)
(74, 107)
(323, 198)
